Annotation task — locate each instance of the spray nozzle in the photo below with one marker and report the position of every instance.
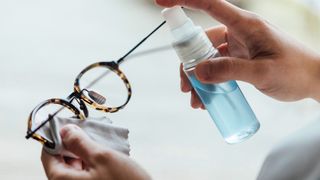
(179, 23)
(175, 16)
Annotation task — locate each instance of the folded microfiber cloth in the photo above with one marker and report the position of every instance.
(100, 130)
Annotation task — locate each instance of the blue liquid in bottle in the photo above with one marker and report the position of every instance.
(228, 108)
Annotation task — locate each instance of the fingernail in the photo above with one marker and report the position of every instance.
(64, 131)
(67, 129)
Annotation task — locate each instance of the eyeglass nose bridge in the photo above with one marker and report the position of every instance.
(82, 106)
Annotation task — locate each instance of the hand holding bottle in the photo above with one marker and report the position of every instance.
(224, 102)
(255, 52)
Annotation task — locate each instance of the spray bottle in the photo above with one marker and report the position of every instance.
(225, 102)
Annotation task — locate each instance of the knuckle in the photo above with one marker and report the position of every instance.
(256, 35)
(205, 70)
(225, 68)
(256, 21)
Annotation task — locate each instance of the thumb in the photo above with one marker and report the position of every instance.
(78, 142)
(229, 68)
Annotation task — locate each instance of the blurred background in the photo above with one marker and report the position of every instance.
(45, 44)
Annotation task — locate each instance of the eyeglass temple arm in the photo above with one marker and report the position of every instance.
(139, 44)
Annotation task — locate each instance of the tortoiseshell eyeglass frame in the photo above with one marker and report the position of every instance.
(81, 98)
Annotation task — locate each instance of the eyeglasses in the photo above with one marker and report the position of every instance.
(88, 90)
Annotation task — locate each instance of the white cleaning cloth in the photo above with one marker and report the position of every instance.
(100, 130)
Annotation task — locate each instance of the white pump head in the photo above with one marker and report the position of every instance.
(179, 23)
(190, 42)
(175, 16)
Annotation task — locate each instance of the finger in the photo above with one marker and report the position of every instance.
(221, 10)
(195, 101)
(78, 142)
(185, 84)
(229, 68)
(56, 168)
(217, 35)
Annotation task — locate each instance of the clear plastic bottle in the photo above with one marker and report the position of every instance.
(224, 101)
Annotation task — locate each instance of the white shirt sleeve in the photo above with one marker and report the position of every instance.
(297, 158)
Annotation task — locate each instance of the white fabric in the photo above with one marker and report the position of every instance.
(101, 130)
(297, 158)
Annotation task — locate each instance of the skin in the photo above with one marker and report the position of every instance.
(253, 51)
